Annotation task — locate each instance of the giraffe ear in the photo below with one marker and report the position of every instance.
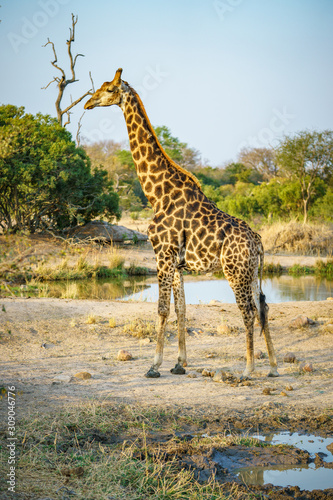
(117, 79)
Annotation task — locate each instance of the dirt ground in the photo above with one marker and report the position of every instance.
(46, 342)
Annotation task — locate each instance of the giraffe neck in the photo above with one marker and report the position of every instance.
(154, 167)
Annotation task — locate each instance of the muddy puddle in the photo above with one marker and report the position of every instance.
(286, 462)
(312, 475)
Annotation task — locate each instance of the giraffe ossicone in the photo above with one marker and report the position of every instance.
(188, 232)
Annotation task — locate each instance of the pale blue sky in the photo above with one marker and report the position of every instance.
(220, 74)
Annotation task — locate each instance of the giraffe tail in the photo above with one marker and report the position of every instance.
(263, 308)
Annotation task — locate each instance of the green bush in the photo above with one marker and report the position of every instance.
(45, 180)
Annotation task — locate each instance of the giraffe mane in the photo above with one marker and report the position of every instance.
(191, 176)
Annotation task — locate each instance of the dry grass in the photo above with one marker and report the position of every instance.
(140, 328)
(72, 454)
(296, 238)
(116, 260)
(91, 319)
(112, 322)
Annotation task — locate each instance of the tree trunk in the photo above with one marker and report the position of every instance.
(305, 209)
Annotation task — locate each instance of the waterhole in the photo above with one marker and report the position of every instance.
(276, 289)
(197, 290)
(308, 476)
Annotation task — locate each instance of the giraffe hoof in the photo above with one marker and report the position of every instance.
(273, 374)
(178, 370)
(151, 373)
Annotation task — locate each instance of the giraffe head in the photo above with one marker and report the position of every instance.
(110, 93)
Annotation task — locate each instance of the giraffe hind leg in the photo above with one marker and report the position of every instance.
(246, 306)
(262, 314)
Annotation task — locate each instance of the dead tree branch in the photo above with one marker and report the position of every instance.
(62, 81)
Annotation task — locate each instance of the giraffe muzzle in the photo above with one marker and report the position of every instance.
(91, 104)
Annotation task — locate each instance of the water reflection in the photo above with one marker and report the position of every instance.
(277, 289)
(306, 476)
(287, 288)
(197, 290)
(91, 289)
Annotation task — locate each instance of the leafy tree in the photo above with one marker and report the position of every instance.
(121, 168)
(304, 158)
(209, 176)
(130, 191)
(45, 180)
(323, 207)
(188, 158)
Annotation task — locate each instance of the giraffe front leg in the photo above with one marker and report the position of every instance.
(180, 307)
(158, 358)
(164, 282)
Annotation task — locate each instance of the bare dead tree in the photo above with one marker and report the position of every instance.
(78, 132)
(62, 81)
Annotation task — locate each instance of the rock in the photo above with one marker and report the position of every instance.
(283, 393)
(211, 355)
(207, 373)
(124, 355)
(329, 298)
(219, 376)
(192, 375)
(104, 232)
(214, 303)
(306, 367)
(289, 357)
(258, 354)
(328, 328)
(330, 447)
(224, 329)
(289, 387)
(267, 391)
(301, 321)
(83, 375)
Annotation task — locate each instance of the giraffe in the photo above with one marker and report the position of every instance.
(188, 232)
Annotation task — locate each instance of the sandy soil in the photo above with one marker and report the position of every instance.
(45, 342)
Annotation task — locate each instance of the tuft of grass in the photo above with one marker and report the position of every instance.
(324, 268)
(140, 328)
(294, 237)
(134, 270)
(91, 319)
(271, 268)
(297, 270)
(112, 322)
(116, 260)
